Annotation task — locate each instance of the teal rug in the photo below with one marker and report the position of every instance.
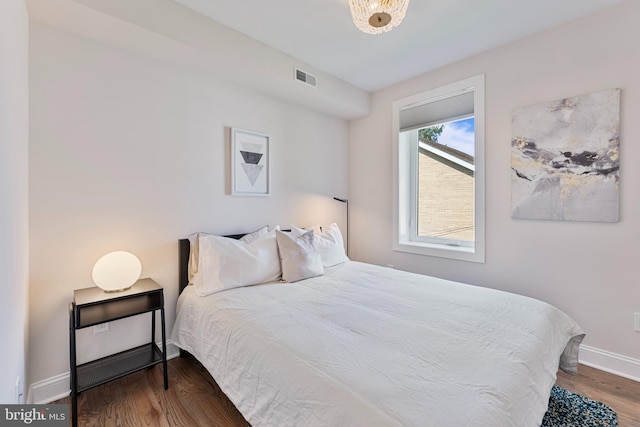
(567, 409)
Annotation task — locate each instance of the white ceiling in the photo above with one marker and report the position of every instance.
(434, 32)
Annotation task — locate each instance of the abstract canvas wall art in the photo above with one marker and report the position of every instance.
(565, 159)
(249, 163)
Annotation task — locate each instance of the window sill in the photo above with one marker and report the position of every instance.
(443, 251)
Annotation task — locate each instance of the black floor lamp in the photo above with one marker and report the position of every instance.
(346, 202)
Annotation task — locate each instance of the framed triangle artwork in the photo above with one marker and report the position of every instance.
(249, 163)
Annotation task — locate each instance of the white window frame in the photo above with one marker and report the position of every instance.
(405, 174)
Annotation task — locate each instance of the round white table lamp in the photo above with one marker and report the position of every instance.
(116, 271)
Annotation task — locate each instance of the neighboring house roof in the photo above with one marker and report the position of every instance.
(468, 158)
(448, 153)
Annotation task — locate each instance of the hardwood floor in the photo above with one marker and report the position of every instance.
(139, 399)
(194, 399)
(621, 394)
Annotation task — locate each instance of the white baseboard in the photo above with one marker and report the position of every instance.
(613, 363)
(49, 390)
(57, 387)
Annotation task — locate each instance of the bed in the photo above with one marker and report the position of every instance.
(364, 345)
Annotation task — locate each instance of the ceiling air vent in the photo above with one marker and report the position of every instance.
(304, 77)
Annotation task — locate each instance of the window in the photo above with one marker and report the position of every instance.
(439, 172)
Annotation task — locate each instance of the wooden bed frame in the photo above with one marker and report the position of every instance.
(183, 264)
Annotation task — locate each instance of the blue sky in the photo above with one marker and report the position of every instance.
(459, 135)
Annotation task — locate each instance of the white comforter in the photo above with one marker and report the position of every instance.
(371, 346)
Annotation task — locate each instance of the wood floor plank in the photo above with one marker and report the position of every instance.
(194, 398)
(621, 394)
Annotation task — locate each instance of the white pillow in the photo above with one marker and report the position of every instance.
(192, 266)
(226, 263)
(329, 244)
(250, 237)
(193, 255)
(298, 256)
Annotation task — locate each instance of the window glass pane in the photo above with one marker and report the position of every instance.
(439, 171)
(445, 199)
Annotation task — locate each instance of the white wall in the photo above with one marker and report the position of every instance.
(166, 30)
(590, 270)
(14, 208)
(130, 153)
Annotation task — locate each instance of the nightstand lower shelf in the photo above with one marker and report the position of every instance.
(101, 371)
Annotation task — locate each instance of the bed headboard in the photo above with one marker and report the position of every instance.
(184, 247)
(183, 264)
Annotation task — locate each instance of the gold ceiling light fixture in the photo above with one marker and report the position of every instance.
(378, 16)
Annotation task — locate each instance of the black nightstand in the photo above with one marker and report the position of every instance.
(92, 306)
